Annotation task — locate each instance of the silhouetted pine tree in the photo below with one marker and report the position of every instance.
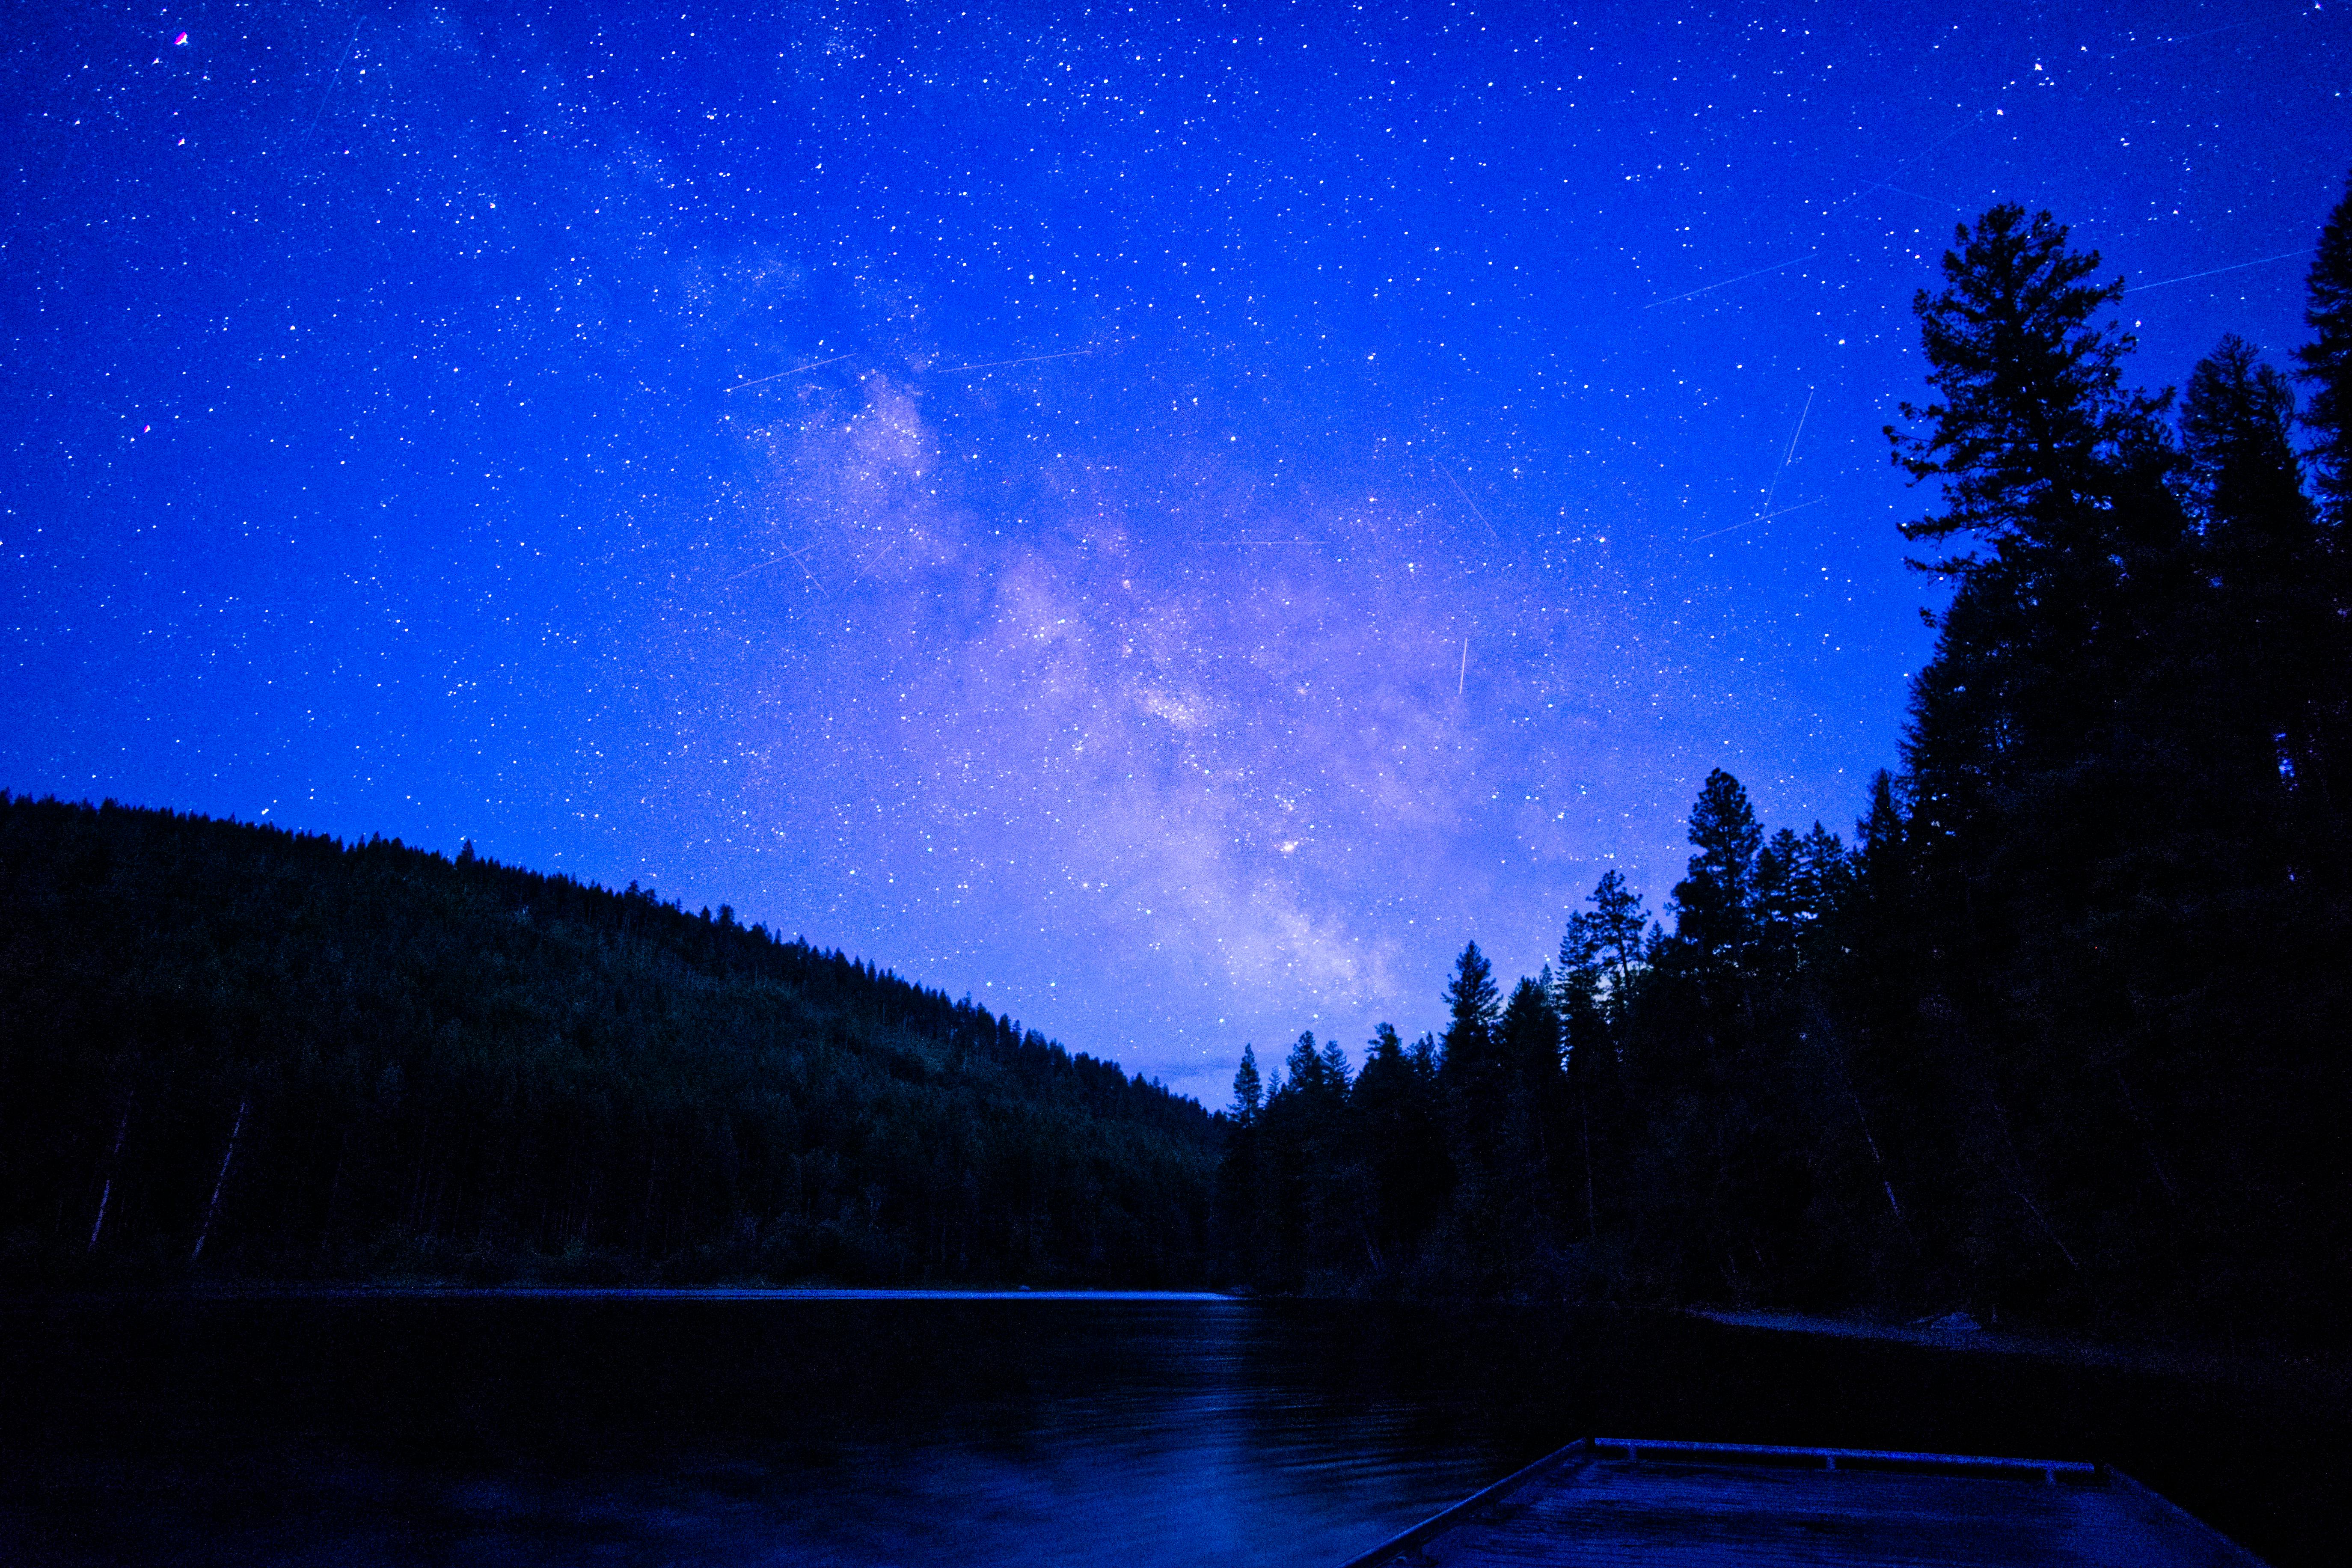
(2095, 768)
(1239, 1180)
(2057, 472)
(1410, 1175)
(1601, 962)
(1476, 1084)
(1714, 944)
(2326, 360)
(2326, 369)
(1533, 1137)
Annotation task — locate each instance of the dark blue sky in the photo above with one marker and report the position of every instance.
(1169, 520)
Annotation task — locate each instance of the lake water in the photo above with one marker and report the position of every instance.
(750, 1428)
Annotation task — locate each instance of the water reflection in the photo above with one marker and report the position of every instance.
(750, 1427)
(728, 1428)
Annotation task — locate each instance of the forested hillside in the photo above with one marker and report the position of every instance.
(233, 1050)
(2062, 1036)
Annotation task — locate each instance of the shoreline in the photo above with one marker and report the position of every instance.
(438, 1290)
(2315, 1373)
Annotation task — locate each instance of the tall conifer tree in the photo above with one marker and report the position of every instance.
(2326, 360)
(2056, 472)
(1714, 903)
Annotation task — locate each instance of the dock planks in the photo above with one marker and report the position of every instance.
(1609, 1501)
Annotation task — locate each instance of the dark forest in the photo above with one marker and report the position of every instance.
(2056, 1039)
(233, 1050)
(2059, 1039)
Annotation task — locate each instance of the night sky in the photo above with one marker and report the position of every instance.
(1168, 519)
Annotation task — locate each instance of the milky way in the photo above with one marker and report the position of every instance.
(1167, 521)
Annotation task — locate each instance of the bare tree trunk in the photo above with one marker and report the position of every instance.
(1884, 1180)
(219, 1183)
(1835, 1054)
(106, 1191)
(2147, 1137)
(2017, 1189)
(2035, 1210)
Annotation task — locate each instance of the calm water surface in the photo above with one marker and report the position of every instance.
(745, 1430)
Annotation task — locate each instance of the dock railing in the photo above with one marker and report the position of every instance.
(2052, 1471)
(1438, 1523)
(1667, 1453)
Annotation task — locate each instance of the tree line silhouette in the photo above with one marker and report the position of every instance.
(248, 1051)
(2062, 1034)
(2059, 1035)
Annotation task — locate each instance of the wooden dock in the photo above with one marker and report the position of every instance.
(1614, 1501)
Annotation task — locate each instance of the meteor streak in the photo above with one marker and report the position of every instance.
(1032, 359)
(758, 379)
(1729, 281)
(2215, 272)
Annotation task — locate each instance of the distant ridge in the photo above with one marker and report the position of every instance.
(230, 1050)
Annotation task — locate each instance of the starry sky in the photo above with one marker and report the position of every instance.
(1165, 518)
